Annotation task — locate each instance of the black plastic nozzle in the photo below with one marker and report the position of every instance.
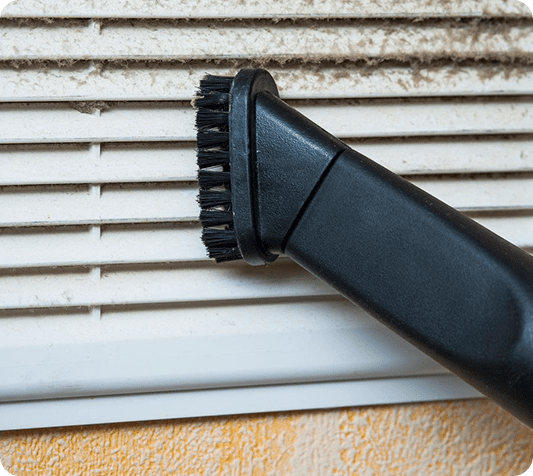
(448, 285)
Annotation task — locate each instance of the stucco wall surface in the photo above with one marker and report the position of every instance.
(451, 438)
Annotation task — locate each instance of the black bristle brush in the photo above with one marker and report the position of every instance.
(273, 182)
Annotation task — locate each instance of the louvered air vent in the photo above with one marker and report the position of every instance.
(110, 310)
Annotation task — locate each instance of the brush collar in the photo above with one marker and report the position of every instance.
(246, 85)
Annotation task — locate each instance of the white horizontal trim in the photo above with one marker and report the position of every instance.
(230, 401)
(63, 246)
(51, 122)
(264, 9)
(25, 164)
(195, 362)
(179, 82)
(166, 40)
(70, 355)
(76, 205)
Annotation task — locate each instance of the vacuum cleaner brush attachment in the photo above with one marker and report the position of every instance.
(273, 182)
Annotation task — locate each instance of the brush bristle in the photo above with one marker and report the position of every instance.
(215, 217)
(209, 179)
(208, 119)
(214, 199)
(213, 158)
(214, 101)
(207, 139)
(221, 244)
(211, 83)
(214, 179)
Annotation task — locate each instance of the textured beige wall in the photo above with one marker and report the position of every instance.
(453, 438)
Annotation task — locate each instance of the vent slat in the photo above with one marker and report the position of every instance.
(43, 123)
(68, 164)
(265, 9)
(178, 82)
(162, 285)
(178, 321)
(22, 207)
(482, 193)
(76, 164)
(67, 247)
(181, 244)
(452, 155)
(144, 40)
(26, 207)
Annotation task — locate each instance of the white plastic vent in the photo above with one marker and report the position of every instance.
(110, 310)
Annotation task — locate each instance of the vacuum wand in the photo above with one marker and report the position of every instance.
(273, 182)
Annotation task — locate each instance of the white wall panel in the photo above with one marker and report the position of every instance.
(105, 288)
